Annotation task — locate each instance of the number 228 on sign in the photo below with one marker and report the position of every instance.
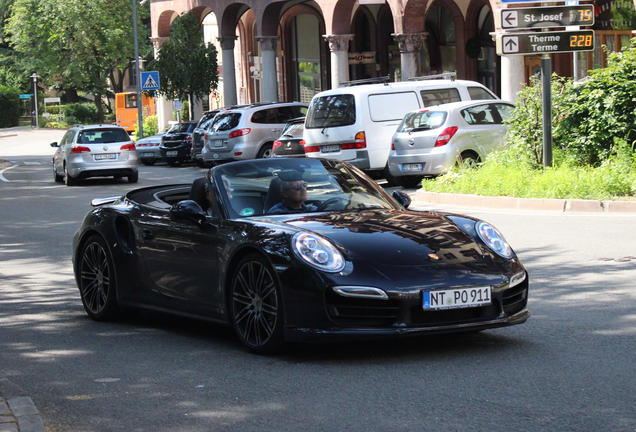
(581, 40)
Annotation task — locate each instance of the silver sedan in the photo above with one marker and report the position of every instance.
(148, 149)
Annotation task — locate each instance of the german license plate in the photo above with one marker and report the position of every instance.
(105, 156)
(331, 148)
(412, 167)
(218, 143)
(172, 153)
(456, 298)
(147, 155)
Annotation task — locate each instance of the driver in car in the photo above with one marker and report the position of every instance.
(294, 191)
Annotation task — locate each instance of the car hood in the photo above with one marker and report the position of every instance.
(394, 238)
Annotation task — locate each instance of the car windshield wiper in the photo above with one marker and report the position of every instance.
(420, 128)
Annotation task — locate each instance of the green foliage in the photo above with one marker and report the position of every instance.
(600, 109)
(84, 113)
(54, 124)
(525, 127)
(151, 127)
(186, 64)
(504, 173)
(75, 43)
(184, 113)
(9, 107)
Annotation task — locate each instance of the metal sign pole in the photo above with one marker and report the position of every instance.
(546, 75)
(140, 119)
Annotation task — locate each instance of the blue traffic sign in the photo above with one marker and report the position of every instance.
(150, 80)
(26, 96)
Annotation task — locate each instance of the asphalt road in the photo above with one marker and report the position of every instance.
(570, 367)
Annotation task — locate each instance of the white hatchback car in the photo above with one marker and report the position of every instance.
(95, 151)
(429, 141)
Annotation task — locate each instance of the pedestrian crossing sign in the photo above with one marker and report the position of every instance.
(150, 80)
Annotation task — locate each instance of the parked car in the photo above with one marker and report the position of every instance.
(291, 143)
(148, 149)
(355, 263)
(249, 131)
(197, 136)
(356, 121)
(95, 151)
(176, 144)
(429, 141)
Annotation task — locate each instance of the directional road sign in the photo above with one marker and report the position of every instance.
(150, 80)
(544, 17)
(544, 42)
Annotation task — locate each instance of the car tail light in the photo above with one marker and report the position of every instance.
(392, 145)
(445, 136)
(312, 149)
(238, 153)
(277, 144)
(205, 135)
(240, 132)
(359, 143)
(80, 149)
(130, 146)
(188, 139)
(302, 143)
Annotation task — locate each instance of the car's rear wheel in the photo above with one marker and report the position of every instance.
(134, 177)
(265, 151)
(148, 162)
(70, 181)
(58, 178)
(174, 163)
(97, 284)
(468, 159)
(403, 181)
(256, 306)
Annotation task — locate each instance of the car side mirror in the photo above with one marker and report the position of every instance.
(402, 198)
(54, 144)
(188, 210)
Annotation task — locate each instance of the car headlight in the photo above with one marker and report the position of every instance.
(493, 238)
(318, 252)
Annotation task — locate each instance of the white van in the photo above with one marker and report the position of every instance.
(356, 121)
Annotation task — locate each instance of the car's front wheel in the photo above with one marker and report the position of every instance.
(256, 306)
(58, 178)
(97, 282)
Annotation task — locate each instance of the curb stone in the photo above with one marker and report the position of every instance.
(529, 204)
(18, 413)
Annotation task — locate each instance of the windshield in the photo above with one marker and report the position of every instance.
(331, 111)
(253, 188)
(182, 127)
(422, 120)
(102, 136)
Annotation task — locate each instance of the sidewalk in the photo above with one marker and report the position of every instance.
(525, 204)
(17, 412)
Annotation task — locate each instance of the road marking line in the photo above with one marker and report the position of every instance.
(2, 173)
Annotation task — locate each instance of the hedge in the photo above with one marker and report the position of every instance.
(9, 107)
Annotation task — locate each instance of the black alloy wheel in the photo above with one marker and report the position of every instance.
(256, 306)
(97, 282)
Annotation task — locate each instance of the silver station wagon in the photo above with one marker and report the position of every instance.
(95, 151)
(429, 141)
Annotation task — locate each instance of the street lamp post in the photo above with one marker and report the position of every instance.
(35, 93)
(140, 122)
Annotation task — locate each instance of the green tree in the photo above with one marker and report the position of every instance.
(186, 64)
(76, 43)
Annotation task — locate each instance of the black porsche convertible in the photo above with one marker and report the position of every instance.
(352, 262)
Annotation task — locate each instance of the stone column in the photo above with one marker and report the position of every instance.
(163, 105)
(513, 77)
(339, 48)
(229, 74)
(410, 51)
(269, 75)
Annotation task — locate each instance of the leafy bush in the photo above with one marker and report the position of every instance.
(54, 124)
(151, 126)
(9, 107)
(85, 113)
(184, 114)
(600, 109)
